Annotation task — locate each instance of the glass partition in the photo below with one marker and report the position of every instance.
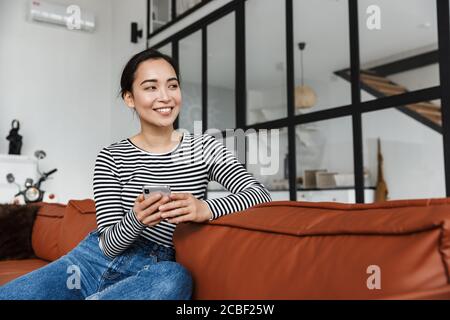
(404, 155)
(266, 159)
(398, 46)
(190, 60)
(321, 48)
(185, 5)
(166, 49)
(265, 29)
(160, 14)
(221, 73)
(325, 161)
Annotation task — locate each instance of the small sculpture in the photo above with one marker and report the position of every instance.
(15, 139)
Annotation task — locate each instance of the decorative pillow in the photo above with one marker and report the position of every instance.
(16, 224)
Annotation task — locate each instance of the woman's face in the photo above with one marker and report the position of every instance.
(156, 93)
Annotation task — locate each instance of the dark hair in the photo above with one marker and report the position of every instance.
(128, 74)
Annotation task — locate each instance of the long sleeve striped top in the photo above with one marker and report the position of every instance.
(122, 168)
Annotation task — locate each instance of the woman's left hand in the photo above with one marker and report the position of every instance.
(185, 207)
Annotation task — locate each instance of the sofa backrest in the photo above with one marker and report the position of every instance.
(305, 250)
(58, 228)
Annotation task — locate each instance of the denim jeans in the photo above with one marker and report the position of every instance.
(144, 271)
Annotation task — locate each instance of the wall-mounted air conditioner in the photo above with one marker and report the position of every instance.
(69, 16)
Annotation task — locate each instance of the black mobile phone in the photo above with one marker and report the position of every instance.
(147, 190)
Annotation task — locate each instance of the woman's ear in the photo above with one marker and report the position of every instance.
(128, 98)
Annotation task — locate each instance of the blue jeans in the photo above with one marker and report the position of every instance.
(144, 271)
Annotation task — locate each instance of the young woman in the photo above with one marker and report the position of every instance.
(131, 254)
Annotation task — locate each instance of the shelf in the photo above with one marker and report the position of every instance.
(334, 188)
(16, 158)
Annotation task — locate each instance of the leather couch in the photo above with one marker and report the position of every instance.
(288, 250)
(304, 250)
(57, 229)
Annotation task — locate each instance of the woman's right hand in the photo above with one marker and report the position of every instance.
(146, 210)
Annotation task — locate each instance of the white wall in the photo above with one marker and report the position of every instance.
(123, 123)
(62, 85)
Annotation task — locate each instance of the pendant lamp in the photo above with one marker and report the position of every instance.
(305, 97)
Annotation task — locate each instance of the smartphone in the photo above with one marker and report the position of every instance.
(147, 190)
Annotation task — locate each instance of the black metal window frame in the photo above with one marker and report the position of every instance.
(355, 109)
(174, 18)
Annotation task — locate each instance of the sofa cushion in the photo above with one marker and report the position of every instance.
(79, 220)
(11, 269)
(16, 223)
(305, 250)
(46, 230)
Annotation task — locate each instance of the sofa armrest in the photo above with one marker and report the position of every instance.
(46, 230)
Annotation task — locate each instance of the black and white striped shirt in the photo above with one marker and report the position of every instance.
(122, 168)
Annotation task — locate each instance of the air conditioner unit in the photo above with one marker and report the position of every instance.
(69, 16)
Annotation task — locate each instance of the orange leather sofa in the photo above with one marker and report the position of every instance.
(58, 228)
(288, 250)
(304, 250)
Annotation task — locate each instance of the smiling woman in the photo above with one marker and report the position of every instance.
(131, 254)
(150, 86)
